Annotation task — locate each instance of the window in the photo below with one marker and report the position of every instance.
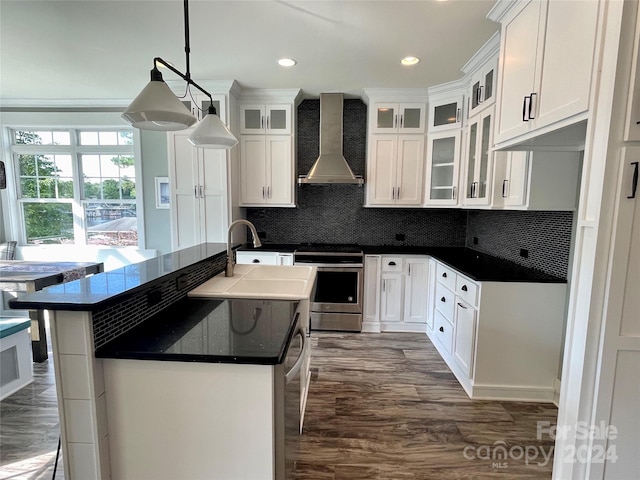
(76, 186)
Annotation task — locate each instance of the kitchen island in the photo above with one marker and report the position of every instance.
(88, 314)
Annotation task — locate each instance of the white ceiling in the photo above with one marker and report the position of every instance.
(101, 51)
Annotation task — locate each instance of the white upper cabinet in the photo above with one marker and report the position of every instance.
(397, 118)
(265, 119)
(478, 159)
(267, 157)
(481, 72)
(443, 163)
(545, 68)
(395, 170)
(445, 112)
(536, 180)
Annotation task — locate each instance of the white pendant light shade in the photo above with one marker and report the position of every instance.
(212, 133)
(157, 108)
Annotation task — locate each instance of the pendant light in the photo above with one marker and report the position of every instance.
(157, 108)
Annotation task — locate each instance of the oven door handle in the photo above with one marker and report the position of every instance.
(340, 267)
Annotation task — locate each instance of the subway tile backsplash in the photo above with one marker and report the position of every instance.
(335, 213)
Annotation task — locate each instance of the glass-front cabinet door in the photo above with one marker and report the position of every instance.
(443, 158)
(445, 113)
(398, 118)
(482, 89)
(265, 119)
(478, 159)
(199, 106)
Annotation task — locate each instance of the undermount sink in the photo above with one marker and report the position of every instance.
(274, 282)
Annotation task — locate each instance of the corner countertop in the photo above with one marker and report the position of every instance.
(476, 265)
(211, 331)
(103, 289)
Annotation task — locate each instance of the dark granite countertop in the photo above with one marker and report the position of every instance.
(476, 265)
(211, 331)
(270, 247)
(98, 291)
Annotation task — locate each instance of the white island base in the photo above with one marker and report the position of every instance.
(188, 420)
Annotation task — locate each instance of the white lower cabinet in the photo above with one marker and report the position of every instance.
(396, 293)
(264, 258)
(502, 340)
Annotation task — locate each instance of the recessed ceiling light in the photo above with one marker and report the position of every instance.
(287, 62)
(409, 60)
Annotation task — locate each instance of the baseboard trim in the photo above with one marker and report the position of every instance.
(370, 327)
(403, 327)
(556, 392)
(513, 393)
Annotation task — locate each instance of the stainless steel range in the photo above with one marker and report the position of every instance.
(337, 304)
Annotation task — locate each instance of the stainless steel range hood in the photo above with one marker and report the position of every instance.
(331, 166)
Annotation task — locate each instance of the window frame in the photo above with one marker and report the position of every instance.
(12, 205)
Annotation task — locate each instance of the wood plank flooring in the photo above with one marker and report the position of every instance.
(386, 406)
(381, 406)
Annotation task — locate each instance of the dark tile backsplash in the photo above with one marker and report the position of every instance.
(335, 213)
(545, 235)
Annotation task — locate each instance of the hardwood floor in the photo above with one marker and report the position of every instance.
(386, 406)
(381, 406)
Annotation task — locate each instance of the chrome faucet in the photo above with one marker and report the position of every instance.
(256, 243)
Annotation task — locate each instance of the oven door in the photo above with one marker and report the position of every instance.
(338, 290)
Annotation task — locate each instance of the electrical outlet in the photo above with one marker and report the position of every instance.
(400, 237)
(524, 253)
(475, 240)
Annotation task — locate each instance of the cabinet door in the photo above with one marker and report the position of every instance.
(443, 158)
(479, 159)
(482, 89)
(416, 290)
(464, 337)
(285, 258)
(279, 184)
(381, 170)
(185, 191)
(514, 186)
(278, 119)
(412, 118)
(384, 118)
(565, 78)
(252, 119)
(391, 297)
(409, 173)
(518, 66)
(214, 210)
(445, 113)
(253, 170)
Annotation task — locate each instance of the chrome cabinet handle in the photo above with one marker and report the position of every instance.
(444, 274)
(263, 193)
(462, 306)
(464, 288)
(255, 260)
(504, 188)
(268, 192)
(441, 329)
(443, 300)
(634, 181)
(384, 285)
(261, 121)
(392, 264)
(458, 113)
(398, 194)
(268, 122)
(480, 96)
(401, 121)
(195, 191)
(201, 190)
(395, 121)
(453, 193)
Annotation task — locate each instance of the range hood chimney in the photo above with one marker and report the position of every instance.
(331, 166)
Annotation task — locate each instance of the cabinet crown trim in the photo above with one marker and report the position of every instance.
(406, 95)
(455, 87)
(485, 53)
(270, 95)
(499, 10)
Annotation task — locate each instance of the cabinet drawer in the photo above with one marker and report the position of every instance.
(446, 276)
(445, 301)
(467, 290)
(392, 264)
(263, 258)
(443, 331)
